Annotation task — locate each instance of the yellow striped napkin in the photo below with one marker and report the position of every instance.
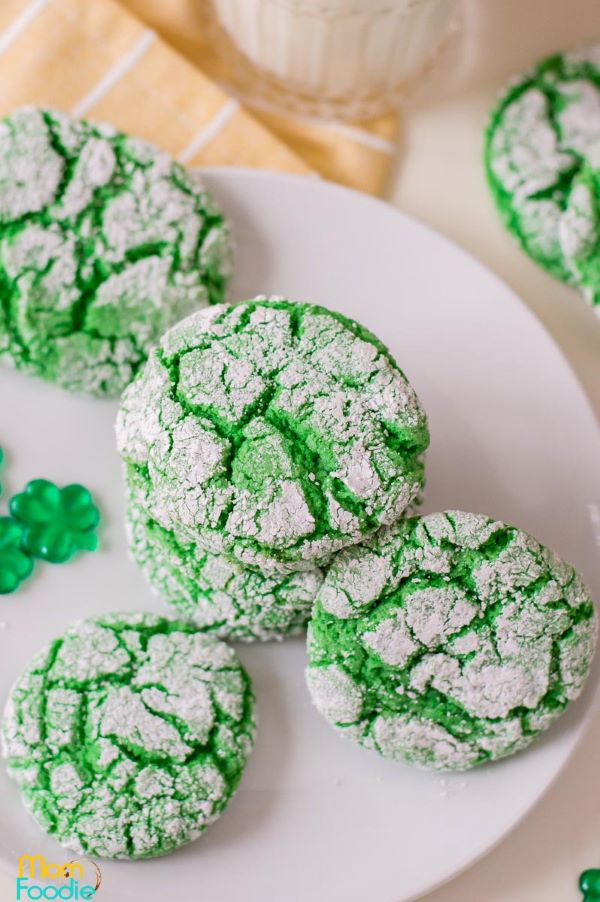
(95, 58)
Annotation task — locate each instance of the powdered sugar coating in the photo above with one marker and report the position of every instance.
(215, 592)
(105, 241)
(129, 734)
(273, 432)
(543, 159)
(449, 640)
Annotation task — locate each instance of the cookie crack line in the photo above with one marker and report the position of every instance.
(449, 640)
(138, 767)
(541, 162)
(105, 241)
(250, 441)
(218, 594)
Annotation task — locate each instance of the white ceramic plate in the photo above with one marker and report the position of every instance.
(316, 819)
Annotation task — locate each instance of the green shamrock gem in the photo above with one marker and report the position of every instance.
(56, 522)
(15, 564)
(589, 884)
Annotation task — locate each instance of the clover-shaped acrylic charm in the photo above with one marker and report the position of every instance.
(56, 522)
(15, 564)
(589, 884)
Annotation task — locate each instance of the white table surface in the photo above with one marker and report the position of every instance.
(438, 178)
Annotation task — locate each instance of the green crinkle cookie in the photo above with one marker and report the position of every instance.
(129, 734)
(542, 157)
(105, 241)
(273, 432)
(218, 594)
(449, 640)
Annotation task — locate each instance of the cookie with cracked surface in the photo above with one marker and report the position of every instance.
(129, 734)
(217, 593)
(542, 158)
(273, 432)
(105, 242)
(449, 640)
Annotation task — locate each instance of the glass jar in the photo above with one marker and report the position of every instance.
(351, 58)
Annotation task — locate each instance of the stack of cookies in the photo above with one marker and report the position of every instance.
(258, 441)
(272, 452)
